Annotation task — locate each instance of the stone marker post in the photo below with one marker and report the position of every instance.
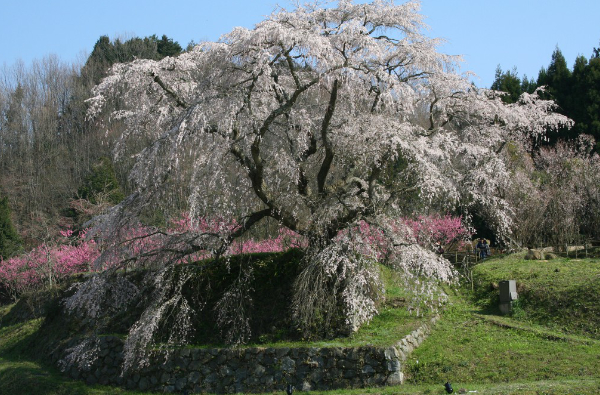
(508, 294)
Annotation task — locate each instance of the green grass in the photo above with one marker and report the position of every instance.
(21, 372)
(385, 329)
(471, 346)
(582, 386)
(561, 293)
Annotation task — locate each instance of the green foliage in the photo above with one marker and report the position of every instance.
(166, 46)
(576, 92)
(509, 82)
(557, 75)
(107, 52)
(10, 241)
(584, 103)
(101, 185)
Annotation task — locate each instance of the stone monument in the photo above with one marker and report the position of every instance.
(508, 294)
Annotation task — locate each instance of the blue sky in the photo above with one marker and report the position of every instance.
(521, 33)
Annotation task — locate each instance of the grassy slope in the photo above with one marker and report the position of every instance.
(467, 348)
(475, 351)
(561, 293)
(552, 335)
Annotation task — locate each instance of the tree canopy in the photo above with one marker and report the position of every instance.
(297, 119)
(574, 91)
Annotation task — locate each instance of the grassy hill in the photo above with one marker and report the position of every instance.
(548, 346)
(562, 293)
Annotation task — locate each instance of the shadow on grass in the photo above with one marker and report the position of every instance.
(22, 367)
(24, 371)
(24, 377)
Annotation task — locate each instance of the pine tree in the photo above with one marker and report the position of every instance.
(107, 52)
(167, 47)
(509, 82)
(558, 80)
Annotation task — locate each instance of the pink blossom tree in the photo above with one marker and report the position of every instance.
(301, 120)
(48, 264)
(51, 262)
(431, 231)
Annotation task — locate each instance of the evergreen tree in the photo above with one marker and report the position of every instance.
(102, 57)
(107, 53)
(9, 238)
(592, 104)
(528, 85)
(580, 97)
(509, 82)
(557, 79)
(167, 47)
(101, 185)
(576, 92)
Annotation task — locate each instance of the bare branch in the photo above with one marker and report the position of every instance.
(180, 102)
(326, 164)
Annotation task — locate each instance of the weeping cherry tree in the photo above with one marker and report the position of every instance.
(322, 119)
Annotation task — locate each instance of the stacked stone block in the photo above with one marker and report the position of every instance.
(249, 369)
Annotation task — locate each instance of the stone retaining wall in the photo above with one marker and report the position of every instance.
(242, 370)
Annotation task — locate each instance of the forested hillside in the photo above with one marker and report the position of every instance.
(48, 150)
(576, 91)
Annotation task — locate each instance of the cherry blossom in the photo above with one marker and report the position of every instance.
(319, 119)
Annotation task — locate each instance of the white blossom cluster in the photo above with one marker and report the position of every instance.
(232, 310)
(334, 276)
(82, 355)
